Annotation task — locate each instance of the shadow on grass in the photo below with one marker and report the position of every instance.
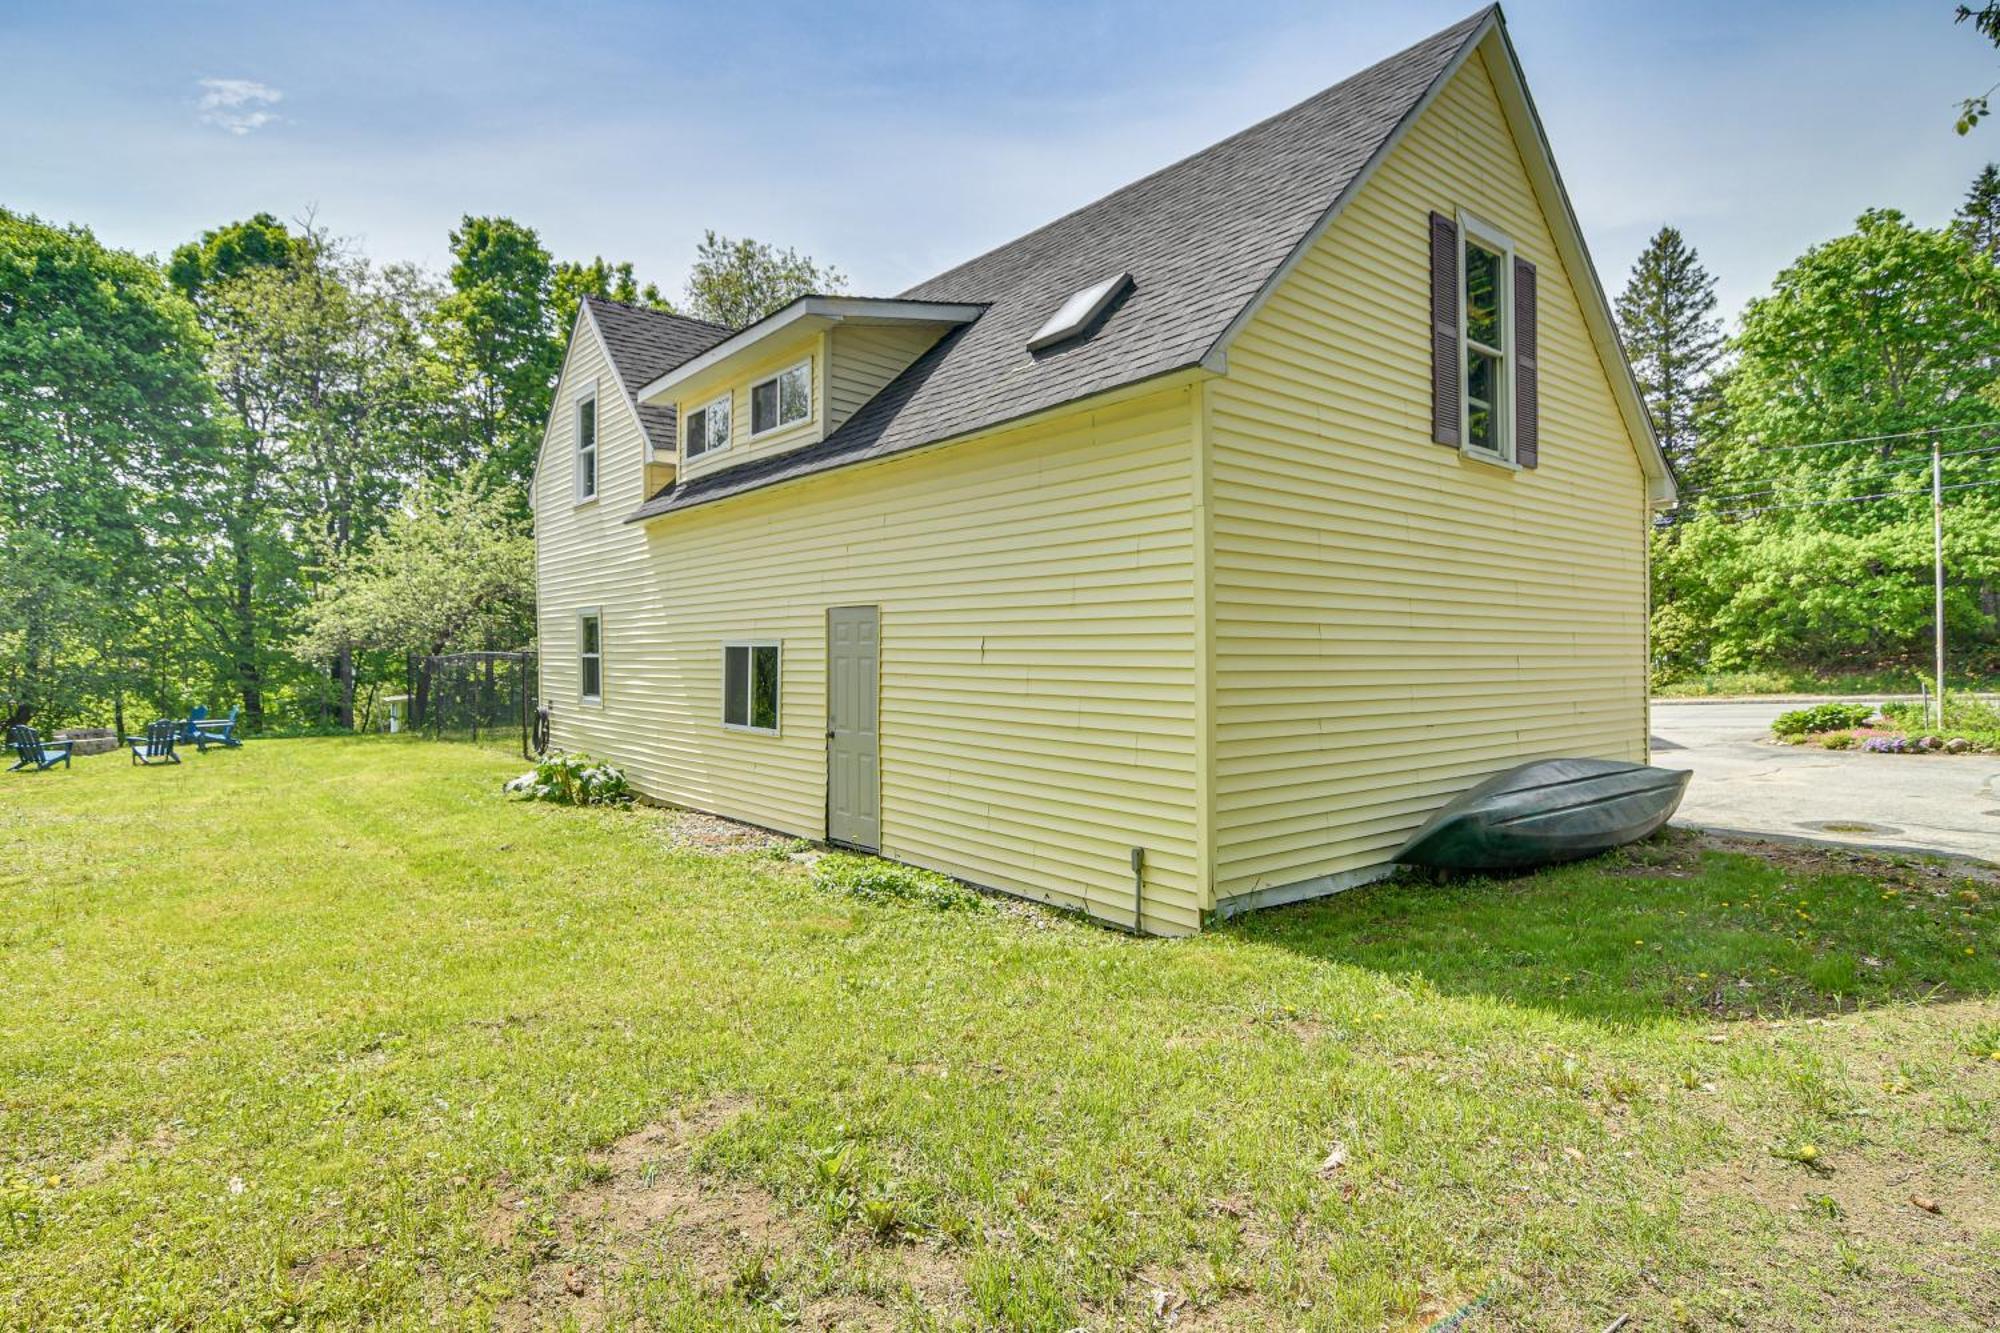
(1680, 926)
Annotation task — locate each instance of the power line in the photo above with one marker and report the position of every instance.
(1910, 460)
(1678, 515)
(1877, 439)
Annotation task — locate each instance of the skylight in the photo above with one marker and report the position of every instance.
(1078, 311)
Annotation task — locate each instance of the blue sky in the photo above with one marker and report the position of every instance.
(895, 139)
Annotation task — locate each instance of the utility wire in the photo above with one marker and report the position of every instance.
(1911, 460)
(1677, 514)
(1876, 439)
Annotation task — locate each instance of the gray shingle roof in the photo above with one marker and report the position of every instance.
(1201, 238)
(644, 344)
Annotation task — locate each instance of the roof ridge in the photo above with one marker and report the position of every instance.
(1467, 25)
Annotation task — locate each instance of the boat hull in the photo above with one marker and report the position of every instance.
(1546, 812)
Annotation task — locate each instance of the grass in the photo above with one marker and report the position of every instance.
(1723, 684)
(324, 1032)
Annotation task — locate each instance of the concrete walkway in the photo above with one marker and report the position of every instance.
(1745, 783)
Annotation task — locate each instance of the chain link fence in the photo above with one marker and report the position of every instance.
(484, 698)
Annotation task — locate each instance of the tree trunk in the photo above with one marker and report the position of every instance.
(343, 670)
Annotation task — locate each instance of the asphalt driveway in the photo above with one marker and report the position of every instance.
(1743, 782)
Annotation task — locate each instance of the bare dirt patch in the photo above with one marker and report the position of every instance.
(646, 1210)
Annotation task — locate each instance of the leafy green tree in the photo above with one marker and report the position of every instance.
(230, 251)
(331, 378)
(496, 332)
(1979, 216)
(453, 569)
(103, 407)
(1673, 339)
(738, 282)
(1810, 542)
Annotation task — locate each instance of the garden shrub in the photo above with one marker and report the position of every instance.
(875, 880)
(572, 779)
(1889, 745)
(1838, 740)
(1975, 721)
(1822, 717)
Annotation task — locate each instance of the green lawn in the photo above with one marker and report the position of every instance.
(326, 1032)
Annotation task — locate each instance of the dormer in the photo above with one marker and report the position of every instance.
(793, 377)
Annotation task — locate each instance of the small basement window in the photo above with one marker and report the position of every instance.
(586, 445)
(783, 400)
(1486, 260)
(590, 656)
(750, 686)
(1075, 314)
(708, 428)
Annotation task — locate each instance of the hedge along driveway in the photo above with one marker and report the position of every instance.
(372, 1044)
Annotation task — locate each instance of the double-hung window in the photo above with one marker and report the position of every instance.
(590, 656)
(783, 400)
(586, 445)
(750, 686)
(1487, 316)
(708, 427)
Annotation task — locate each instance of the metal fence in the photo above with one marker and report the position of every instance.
(485, 698)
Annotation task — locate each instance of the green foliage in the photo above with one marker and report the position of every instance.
(570, 282)
(1838, 740)
(232, 251)
(1822, 717)
(874, 880)
(1978, 218)
(572, 778)
(1863, 337)
(738, 282)
(1976, 721)
(105, 419)
(1986, 21)
(1666, 316)
(453, 569)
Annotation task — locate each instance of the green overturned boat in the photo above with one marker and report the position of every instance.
(1549, 811)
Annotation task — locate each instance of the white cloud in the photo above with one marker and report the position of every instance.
(237, 105)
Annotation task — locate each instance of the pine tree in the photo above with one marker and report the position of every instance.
(1673, 339)
(1979, 216)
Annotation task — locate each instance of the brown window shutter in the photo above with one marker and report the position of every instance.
(1527, 394)
(1446, 412)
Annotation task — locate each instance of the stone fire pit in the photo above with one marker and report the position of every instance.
(90, 740)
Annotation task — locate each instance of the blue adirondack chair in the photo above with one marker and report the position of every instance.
(30, 748)
(211, 732)
(190, 730)
(157, 745)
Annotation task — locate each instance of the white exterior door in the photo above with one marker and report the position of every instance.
(853, 783)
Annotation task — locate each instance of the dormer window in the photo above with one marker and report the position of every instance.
(783, 400)
(586, 445)
(708, 428)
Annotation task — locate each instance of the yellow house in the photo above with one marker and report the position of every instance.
(1177, 558)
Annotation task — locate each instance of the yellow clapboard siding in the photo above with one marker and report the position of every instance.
(1038, 633)
(1390, 621)
(865, 357)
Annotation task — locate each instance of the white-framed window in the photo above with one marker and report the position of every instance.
(783, 400)
(590, 655)
(1486, 321)
(708, 427)
(750, 686)
(586, 443)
